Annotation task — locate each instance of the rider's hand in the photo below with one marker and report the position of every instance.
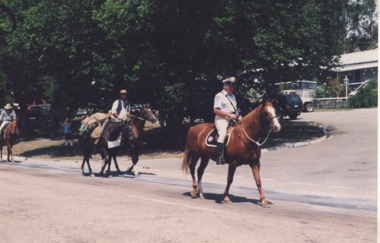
(232, 116)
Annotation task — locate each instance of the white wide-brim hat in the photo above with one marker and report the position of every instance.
(229, 80)
(8, 106)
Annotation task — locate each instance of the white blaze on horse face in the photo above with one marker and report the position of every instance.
(153, 116)
(275, 123)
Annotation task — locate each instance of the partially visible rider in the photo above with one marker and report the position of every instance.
(7, 116)
(225, 110)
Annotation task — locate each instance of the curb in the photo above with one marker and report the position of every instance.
(326, 136)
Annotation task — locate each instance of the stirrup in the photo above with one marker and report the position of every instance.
(220, 161)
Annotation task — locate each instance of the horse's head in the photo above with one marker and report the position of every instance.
(144, 112)
(270, 113)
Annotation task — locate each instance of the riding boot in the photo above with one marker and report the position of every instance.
(220, 159)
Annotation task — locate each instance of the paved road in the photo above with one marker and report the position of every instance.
(325, 192)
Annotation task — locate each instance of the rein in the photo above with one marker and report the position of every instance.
(252, 140)
(255, 142)
(137, 117)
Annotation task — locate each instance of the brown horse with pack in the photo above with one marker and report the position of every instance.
(105, 143)
(243, 147)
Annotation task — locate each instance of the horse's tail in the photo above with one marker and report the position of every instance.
(186, 155)
(185, 162)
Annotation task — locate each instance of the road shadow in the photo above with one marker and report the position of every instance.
(218, 198)
(127, 174)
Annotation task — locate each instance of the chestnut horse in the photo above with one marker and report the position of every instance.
(11, 134)
(142, 113)
(243, 148)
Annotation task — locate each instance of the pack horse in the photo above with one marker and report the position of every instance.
(243, 148)
(141, 114)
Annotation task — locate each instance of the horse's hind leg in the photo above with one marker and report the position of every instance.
(201, 169)
(230, 178)
(193, 162)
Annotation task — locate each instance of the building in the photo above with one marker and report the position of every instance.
(358, 67)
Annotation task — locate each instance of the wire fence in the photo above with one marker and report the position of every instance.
(330, 103)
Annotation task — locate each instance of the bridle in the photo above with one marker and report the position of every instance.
(270, 130)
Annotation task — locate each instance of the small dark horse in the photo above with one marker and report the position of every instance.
(11, 134)
(143, 113)
(243, 148)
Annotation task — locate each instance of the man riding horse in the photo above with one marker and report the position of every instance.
(121, 109)
(7, 116)
(225, 111)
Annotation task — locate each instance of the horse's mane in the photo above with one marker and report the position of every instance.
(251, 113)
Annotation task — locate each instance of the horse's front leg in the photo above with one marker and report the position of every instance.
(256, 174)
(82, 166)
(9, 146)
(230, 178)
(1, 152)
(116, 164)
(135, 159)
(88, 164)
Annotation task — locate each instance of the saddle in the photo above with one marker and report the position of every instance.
(212, 137)
(4, 132)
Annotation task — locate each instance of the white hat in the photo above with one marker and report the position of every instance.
(229, 80)
(8, 106)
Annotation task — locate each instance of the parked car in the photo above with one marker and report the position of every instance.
(306, 97)
(289, 105)
(39, 111)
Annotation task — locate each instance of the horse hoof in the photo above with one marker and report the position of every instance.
(194, 194)
(136, 173)
(264, 204)
(82, 173)
(227, 201)
(201, 196)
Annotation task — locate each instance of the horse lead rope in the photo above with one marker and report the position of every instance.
(257, 143)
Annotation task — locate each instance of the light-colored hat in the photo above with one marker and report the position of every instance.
(123, 91)
(8, 106)
(229, 80)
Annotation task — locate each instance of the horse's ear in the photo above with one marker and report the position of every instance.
(273, 101)
(263, 101)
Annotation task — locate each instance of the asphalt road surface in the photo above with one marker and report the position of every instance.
(326, 192)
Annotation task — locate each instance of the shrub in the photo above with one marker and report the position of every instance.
(366, 97)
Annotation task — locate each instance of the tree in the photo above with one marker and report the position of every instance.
(360, 24)
(172, 54)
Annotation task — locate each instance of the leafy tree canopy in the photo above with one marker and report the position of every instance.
(172, 54)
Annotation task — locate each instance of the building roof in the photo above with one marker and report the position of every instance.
(358, 60)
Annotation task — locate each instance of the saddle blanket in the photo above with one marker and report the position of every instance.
(212, 137)
(113, 144)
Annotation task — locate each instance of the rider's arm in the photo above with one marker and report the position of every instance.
(218, 112)
(114, 108)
